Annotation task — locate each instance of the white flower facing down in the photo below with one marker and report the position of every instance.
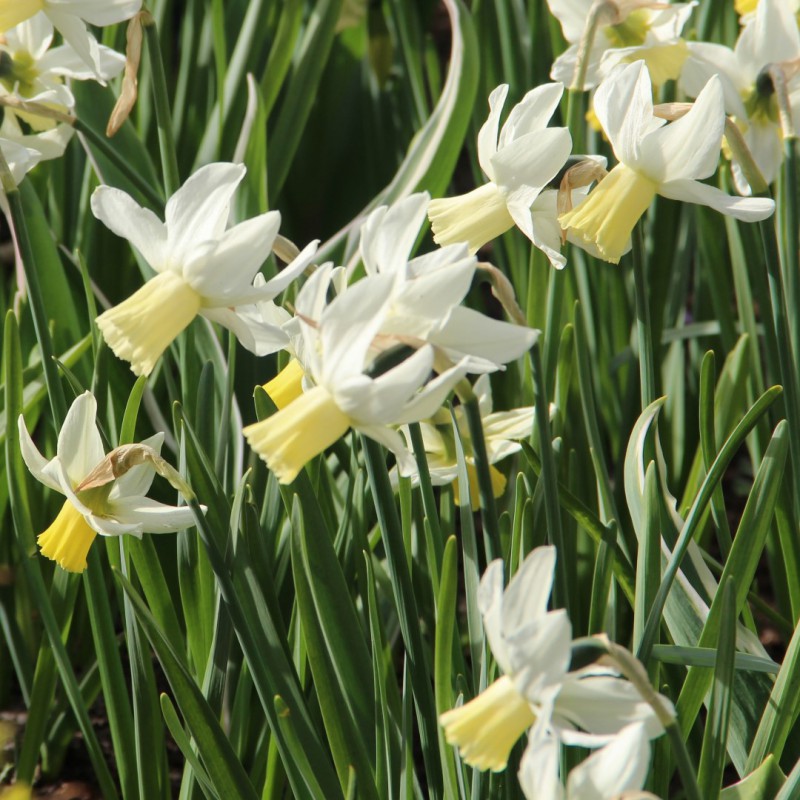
(531, 645)
(202, 267)
(502, 431)
(519, 163)
(428, 291)
(617, 770)
(70, 18)
(35, 72)
(655, 158)
(339, 395)
(770, 37)
(113, 509)
(634, 29)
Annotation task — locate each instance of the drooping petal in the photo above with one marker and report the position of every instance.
(35, 462)
(150, 516)
(198, 212)
(120, 213)
(80, 448)
(747, 209)
(539, 771)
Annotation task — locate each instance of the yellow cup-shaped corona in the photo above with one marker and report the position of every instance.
(68, 539)
(486, 728)
(287, 385)
(665, 62)
(12, 12)
(475, 218)
(498, 486)
(745, 6)
(294, 435)
(607, 216)
(141, 328)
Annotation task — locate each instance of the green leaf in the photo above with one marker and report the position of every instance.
(763, 783)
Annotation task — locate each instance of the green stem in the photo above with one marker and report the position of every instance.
(549, 477)
(791, 229)
(426, 488)
(123, 165)
(166, 138)
(644, 333)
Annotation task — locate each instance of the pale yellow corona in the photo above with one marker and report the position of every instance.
(12, 12)
(475, 218)
(291, 437)
(498, 486)
(141, 328)
(745, 6)
(608, 214)
(287, 385)
(68, 539)
(486, 728)
(665, 62)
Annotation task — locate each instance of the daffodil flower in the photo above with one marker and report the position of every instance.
(22, 152)
(627, 31)
(531, 645)
(109, 507)
(339, 394)
(70, 18)
(746, 8)
(35, 72)
(502, 431)
(655, 158)
(519, 163)
(428, 290)
(617, 770)
(771, 37)
(202, 268)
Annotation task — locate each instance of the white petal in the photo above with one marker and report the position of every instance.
(80, 448)
(120, 213)
(515, 424)
(221, 274)
(75, 34)
(747, 209)
(250, 328)
(539, 654)
(136, 482)
(772, 36)
(34, 460)
(394, 443)
(619, 767)
(35, 36)
(198, 212)
(706, 59)
(98, 12)
(292, 270)
(531, 114)
(528, 592)
(765, 141)
(427, 401)
(491, 606)
(539, 771)
(152, 516)
(572, 14)
(65, 61)
(389, 234)
(487, 135)
(434, 292)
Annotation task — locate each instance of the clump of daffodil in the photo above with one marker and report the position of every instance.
(202, 267)
(70, 18)
(654, 158)
(345, 386)
(105, 494)
(502, 431)
(519, 163)
(603, 33)
(770, 39)
(537, 691)
(34, 71)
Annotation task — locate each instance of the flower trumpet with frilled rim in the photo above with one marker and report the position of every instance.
(105, 494)
(519, 164)
(201, 267)
(531, 645)
(340, 393)
(655, 158)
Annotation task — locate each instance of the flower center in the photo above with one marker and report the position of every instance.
(761, 103)
(68, 539)
(18, 72)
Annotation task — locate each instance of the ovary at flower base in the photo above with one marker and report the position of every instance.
(105, 494)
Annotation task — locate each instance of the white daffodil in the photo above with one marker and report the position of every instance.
(70, 18)
(771, 37)
(655, 158)
(627, 30)
(339, 394)
(111, 507)
(519, 164)
(531, 645)
(30, 69)
(202, 267)
(501, 430)
(428, 291)
(746, 8)
(617, 770)
(22, 152)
